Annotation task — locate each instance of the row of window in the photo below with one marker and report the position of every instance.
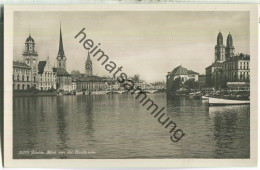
(48, 80)
(242, 65)
(46, 84)
(47, 74)
(23, 78)
(21, 87)
(22, 71)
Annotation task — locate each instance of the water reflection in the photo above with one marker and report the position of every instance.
(231, 129)
(118, 126)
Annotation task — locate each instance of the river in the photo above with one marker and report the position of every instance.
(118, 127)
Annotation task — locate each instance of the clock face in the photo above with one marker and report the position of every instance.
(59, 58)
(64, 58)
(88, 66)
(28, 62)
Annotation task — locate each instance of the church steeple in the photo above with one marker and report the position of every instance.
(230, 49)
(61, 59)
(61, 50)
(219, 49)
(88, 66)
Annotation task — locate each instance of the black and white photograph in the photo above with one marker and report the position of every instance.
(129, 85)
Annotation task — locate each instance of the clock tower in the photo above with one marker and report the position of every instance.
(88, 66)
(31, 59)
(61, 59)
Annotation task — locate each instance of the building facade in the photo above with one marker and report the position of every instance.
(21, 76)
(47, 76)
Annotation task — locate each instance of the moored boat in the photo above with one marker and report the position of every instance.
(204, 97)
(223, 102)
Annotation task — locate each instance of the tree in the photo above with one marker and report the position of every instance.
(136, 78)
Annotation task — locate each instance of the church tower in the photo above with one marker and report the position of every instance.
(61, 59)
(230, 50)
(88, 66)
(31, 59)
(220, 49)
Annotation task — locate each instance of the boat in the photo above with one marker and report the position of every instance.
(224, 102)
(80, 93)
(204, 97)
(99, 92)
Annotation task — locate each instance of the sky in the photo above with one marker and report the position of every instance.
(150, 43)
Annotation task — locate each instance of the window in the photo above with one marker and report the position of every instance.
(18, 86)
(34, 78)
(27, 78)
(22, 77)
(17, 77)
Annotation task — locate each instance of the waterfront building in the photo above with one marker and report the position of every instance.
(64, 80)
(227, 66)
(21, 76)
(178, 76)
(47, 76)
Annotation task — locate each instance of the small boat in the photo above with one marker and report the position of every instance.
(223, 102)
(99, 92)
(204, 97)
(80, 93)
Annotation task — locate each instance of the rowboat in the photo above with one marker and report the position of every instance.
(223, 102)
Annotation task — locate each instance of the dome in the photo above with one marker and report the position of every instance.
(29, 39)
(229, 40)
(220, 39)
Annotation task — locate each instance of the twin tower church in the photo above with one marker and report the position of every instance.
(30, 73)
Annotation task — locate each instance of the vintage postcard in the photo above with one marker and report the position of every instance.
(130, 85)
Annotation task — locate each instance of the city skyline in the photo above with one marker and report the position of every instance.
(130, 43)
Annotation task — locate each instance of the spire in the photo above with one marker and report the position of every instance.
(229, 40)
(61, 50)
(220, 38)
(88, 59)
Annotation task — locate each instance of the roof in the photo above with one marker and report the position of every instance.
(61, 72)
(41, 66)
(240, 56)
(29, 39)
(179, 71)
(192, 72)
(18, 64)
(216, 64)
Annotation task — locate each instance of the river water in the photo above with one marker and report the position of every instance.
(119, 127)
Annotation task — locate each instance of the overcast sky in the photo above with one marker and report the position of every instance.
(146, 43)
